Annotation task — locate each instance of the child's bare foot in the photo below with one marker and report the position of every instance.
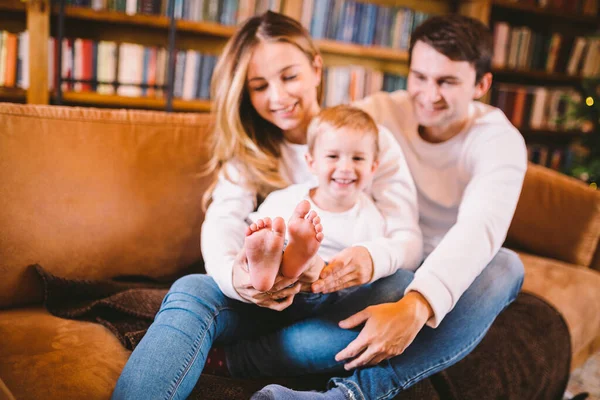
(305, 235)
(264, 247)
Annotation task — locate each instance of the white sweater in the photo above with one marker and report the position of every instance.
(393, 191)
(467, 187)
(360, 224)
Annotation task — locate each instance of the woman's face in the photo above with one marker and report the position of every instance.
(282, 83)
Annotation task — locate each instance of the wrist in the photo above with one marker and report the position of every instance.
(422, 308)
(366, 259)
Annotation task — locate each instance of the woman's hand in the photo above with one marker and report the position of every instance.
(352, 266)
(278, 298)
(389, 329)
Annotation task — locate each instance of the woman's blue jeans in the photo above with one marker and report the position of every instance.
(305, 337)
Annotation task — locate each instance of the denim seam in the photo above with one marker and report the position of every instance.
(194, 353)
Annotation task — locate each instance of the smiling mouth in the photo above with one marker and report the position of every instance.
(343, 181)
(285, 110)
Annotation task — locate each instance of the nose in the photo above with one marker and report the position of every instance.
(345, 164)
(432, 92)
(277, 92)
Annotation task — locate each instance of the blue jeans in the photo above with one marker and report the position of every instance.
(305, 337)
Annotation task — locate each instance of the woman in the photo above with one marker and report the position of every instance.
(266, 88)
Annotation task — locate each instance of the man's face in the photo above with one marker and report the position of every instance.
(441, 90)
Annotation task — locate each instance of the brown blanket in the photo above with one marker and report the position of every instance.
(125, 306)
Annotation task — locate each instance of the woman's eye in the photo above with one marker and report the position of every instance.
(258, 88)
(290, 77)
(359, 159)
(332, 156)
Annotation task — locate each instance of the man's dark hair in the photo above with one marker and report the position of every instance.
(459, 38)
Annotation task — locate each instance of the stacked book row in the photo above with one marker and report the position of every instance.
(129, 69)
(559, 159)
(584, 7)
(362, 23)
(537, 107)
(14, 48)
(226, 12)
(349, 83)
(518, 47)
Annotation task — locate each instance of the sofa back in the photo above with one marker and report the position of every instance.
(89, 193)
(557, 217)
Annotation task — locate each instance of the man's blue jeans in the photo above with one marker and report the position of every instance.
(305, 337)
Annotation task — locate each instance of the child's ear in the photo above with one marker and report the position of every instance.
(309, 161)
(375, 166)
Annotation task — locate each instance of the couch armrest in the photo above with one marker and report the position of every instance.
(557, 217)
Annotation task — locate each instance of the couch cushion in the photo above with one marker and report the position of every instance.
(45, 357)
(97, 193)
(574, 291)
(557, 217)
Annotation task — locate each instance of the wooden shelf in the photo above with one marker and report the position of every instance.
(357, 50)
(12, 5)
(550, 135)
(545, 11)
(155, 103)
(537, 75)
(150, 21)
(12, 94)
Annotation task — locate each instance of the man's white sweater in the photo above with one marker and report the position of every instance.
(392, 189)
(467, 188)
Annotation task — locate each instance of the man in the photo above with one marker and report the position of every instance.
(468, 163)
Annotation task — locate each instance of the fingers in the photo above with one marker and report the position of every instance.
(353, 349)
(336, 279)
(355, 320)
(366, 358)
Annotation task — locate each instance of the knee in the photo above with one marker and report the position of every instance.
(510, 267)
(196, 288)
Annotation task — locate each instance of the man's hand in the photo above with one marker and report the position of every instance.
(352, 266)
(278, 298)
(389, 329)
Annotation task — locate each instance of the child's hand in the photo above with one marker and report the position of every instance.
(278, 298)
(350, 267)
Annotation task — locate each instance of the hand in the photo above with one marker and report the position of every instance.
(352, 266)
(389, 329)
(278, 298)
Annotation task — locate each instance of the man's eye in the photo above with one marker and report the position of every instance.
(332, 156)
(359, 159)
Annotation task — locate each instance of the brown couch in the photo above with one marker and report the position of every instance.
(94, 194)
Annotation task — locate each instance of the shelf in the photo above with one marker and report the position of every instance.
(550, 135)
(12, 5)
(507, 4)
(12, 94)
(357, 50)
(150, 21)
(155, 103)
(537, 75)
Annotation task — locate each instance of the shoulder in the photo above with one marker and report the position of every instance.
(378, 104)
(493, 139)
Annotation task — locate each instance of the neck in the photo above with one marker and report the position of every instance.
(330, 203)
(298, 134)
(434, 134)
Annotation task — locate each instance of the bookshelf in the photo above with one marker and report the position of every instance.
(535, 55)
(40, 18)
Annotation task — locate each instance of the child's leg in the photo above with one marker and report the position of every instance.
(264, 247)
(305, 236)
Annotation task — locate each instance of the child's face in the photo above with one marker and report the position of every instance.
(344, 162)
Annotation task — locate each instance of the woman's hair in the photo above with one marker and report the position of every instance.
(459, 38)
(342, 116)
(241, 136)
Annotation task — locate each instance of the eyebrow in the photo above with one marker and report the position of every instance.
(280, 71)
(443, 77)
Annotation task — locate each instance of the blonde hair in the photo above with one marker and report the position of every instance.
(240, 135)
(342, 116)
